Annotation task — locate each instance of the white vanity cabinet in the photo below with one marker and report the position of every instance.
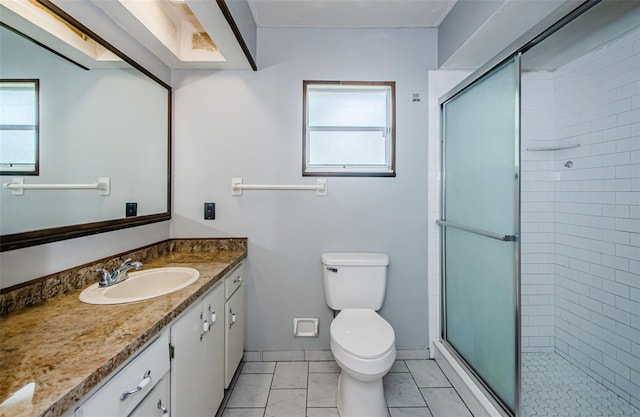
(234, 322)
(184, 371)
(197, 368)
(130, 386)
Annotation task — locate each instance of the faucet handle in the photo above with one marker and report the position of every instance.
(126, 262)
(105, 276)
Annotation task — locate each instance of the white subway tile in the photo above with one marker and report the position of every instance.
(629, 117)
(603, 297)
(616, 288)
(603, 271)
(629, 252)
(629, 225)
(632, 198)
(616, 314)
(617, 340)
(614, 159)
(615, 236)
(603, 247)
(616, 366)
(630, 306)
(604, 346)
(627, 171)
(631, 278)
(629, 144)
(627, 332)
(591, 304)
(615, 262)
(618, 185)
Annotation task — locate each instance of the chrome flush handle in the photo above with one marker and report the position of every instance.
(162, 408)
(332, 269)
(145, 381)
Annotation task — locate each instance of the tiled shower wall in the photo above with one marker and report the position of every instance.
(536, 193)
(595, 214)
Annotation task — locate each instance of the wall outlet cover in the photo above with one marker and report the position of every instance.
(209, 211)
(131, 209)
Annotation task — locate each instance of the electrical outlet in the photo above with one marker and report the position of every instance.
(131, 209)
(209, 211)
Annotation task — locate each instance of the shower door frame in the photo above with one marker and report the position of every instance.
(531, 38)
(515, 238)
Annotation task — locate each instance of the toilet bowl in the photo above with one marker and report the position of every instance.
(362, 342)
(363, 345)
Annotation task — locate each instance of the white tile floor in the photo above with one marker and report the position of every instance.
(551, 386)
(413, 388)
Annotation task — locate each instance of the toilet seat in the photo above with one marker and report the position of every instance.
(362, 333)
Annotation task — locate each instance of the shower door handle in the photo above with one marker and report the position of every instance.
(492, 235)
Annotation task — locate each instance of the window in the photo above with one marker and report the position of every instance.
(19, 127)
(349, 128)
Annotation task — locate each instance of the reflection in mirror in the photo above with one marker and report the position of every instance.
(98, 119)
(19, 127)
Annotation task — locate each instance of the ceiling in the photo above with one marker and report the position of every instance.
(350, 13)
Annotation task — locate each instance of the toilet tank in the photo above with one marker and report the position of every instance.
(354, 280)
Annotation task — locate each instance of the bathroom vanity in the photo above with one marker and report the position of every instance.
(163, 356)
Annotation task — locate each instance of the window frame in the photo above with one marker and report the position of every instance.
(388, 170)
(36, 128)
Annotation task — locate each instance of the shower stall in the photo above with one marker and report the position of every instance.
(540, 219)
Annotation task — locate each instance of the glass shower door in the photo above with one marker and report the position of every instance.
(480, 228)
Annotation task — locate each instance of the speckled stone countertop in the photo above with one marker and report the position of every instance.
(67, 348)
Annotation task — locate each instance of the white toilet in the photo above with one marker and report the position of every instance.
(362, 342)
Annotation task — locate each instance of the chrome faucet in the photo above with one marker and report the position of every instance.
(118, 275)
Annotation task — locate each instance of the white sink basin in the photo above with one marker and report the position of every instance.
(141, 285)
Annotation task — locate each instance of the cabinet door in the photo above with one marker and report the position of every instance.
(156, 404)
(187, 372)
(214, 350)
(234, 338)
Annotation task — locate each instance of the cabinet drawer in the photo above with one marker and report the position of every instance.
(108, 401)
(233, 280)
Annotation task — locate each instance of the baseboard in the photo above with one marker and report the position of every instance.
(319, 355)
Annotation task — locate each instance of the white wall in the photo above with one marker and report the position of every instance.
(249, 124)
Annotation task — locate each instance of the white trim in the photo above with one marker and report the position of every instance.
(484, 401)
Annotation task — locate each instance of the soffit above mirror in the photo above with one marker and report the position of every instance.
(192, 34)
(33, 20)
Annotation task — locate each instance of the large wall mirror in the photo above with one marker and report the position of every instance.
(94, 154)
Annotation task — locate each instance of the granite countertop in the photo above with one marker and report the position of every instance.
(67, 348)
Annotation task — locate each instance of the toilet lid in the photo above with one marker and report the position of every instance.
(362, 333)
